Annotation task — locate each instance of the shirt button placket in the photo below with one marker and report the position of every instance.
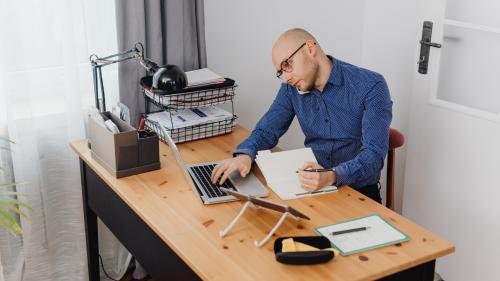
(327, 121)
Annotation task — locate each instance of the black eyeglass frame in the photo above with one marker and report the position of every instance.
(280, 71)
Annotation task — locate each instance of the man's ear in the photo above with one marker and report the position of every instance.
(312, 48)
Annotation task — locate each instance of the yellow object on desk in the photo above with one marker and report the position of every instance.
(292, 246)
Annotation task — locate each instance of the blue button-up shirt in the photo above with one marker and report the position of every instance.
(346, 125)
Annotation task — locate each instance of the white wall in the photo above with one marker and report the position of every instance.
(388, 47)
(240, 34)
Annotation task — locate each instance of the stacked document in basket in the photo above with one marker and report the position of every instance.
(280, 171)
(190, 117)
(203, 76)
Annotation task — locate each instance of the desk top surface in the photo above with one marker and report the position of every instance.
(165, 201)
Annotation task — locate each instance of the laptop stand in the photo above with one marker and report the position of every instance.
(261, 203)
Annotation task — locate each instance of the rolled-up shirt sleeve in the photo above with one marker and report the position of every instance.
(271, 126)
(375, 138)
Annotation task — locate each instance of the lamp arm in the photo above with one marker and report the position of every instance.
(150, 66)
(165, 78)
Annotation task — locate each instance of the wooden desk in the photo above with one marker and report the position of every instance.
(163, 223)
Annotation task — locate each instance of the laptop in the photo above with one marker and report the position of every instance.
(198, 177)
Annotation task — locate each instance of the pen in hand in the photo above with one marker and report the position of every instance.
(349, 230)
(311, 192)
(315, 170)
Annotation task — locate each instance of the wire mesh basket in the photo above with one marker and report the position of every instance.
(189, 98)
(190, 133)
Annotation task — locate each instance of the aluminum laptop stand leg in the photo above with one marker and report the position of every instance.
(226, 230)
(268, 236)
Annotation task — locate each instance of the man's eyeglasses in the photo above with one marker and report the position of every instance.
(286, 65)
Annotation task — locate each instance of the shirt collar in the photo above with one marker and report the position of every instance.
(335, 77)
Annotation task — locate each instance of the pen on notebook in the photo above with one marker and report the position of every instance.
(349, 230)
(310, 192)
(314, 170)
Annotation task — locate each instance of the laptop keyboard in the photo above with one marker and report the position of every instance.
(203, 174)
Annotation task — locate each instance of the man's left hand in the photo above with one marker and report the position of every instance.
(312, 181)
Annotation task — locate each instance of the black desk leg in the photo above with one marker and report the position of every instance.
(423, 272)
(90, 219)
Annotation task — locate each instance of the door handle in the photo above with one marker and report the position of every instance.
(435, 45)
(425, 45)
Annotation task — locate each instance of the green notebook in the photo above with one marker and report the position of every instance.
(379, 233)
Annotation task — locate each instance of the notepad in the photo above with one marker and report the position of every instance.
(279, 169)
(380, 233)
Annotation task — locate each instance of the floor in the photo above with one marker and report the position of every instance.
(128, 276)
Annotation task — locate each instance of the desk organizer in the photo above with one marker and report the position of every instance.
(189, 98)
(193, 132)
(126, 153)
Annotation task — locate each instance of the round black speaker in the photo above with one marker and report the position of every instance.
(169, 78)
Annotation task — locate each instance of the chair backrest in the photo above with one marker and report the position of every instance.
(396, 139)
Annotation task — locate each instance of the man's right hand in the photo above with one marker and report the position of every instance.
(241, 162)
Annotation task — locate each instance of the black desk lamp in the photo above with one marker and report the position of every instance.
(167, 78)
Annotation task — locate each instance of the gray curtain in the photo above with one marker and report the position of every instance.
(172, 31)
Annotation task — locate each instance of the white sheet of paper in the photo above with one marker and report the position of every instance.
(380, 233)
(189, 117)
(279, 169)
(203, 76)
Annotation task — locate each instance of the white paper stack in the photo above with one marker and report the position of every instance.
(194, 123)
(280, 171)
(190, 117)
(201, 77)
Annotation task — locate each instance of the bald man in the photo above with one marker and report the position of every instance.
(344, 111)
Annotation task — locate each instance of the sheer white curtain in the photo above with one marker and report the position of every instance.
(45, 90)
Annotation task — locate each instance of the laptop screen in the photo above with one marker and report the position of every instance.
(173, 147)
(177, 155)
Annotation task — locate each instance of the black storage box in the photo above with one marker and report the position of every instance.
(306, 257)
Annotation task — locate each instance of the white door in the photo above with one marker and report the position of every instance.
(452, 176)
